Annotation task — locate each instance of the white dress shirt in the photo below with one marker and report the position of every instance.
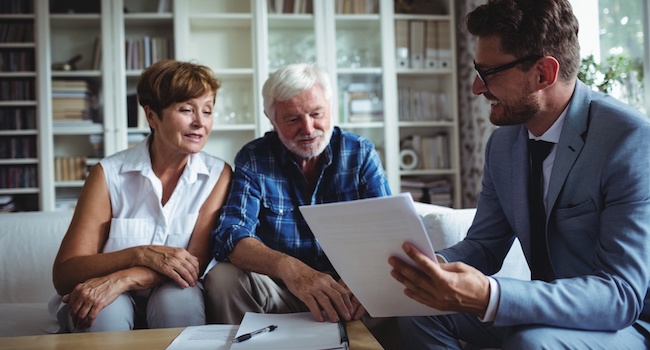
(551, 135)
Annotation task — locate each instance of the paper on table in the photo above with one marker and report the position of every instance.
(211, 336)
(359, 236)
(296, 331)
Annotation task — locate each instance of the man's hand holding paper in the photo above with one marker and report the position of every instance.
(448, 286)
(359, 236)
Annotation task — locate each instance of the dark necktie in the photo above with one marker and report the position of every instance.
(541, 266)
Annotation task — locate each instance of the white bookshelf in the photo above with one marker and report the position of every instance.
(243, 42)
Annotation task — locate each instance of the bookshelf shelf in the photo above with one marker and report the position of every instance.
(401, 16)
(69, 184)
(17, 103)
(78, 130)
(21, 132)
(13, 45)
(16, 161)
(19, 191)
(96, 74)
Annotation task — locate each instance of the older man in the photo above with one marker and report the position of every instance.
(269, 259)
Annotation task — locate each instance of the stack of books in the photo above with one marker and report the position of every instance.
(437, 191)
(70, 103)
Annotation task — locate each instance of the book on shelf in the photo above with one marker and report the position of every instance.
(97, 54)
(142, 52)
(20, 89)
(164, 6)
(68, 103)
(135, 113)
(72, 100)
(70, 168)
(16, 32)
(422, 105)
(17, 118)
(17, 61)
(17, 147)
(16, 6)
(72, 123)
(356, 6)
(18, 176)
(62, 85)
(360, 102)
(426, 190)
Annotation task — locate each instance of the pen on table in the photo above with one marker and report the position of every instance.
(247, 336)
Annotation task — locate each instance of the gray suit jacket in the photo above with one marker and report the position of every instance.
(598, 221)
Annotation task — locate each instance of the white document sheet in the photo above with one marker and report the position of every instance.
(295, 331)
(207, 337)
(359, 236)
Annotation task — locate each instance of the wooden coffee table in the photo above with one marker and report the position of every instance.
(145, 339)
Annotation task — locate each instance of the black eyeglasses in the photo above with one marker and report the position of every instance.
(483, 74)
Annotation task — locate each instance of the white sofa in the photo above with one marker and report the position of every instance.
(29, 242)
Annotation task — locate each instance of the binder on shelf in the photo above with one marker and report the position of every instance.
(417, 35)
(432, 59)
(444, 44)
(402, 43)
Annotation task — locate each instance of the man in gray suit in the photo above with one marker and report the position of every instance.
(590, 252)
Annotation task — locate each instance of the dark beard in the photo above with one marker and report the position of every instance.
(526, 108)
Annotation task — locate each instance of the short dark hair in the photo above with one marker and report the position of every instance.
(531, 27)
(169, 81)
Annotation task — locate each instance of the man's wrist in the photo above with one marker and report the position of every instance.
(493, 303)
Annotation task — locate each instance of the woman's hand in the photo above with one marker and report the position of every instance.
(87, 299)
(176, 263)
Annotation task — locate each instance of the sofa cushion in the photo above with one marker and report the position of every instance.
(448, 227)
(20, 319)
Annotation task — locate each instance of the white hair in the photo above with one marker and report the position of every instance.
(291, 80)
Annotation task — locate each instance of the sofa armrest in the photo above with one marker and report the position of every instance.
(29, 242)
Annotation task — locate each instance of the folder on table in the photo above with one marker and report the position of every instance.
(294, 331)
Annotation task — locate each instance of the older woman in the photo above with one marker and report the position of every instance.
(140, 236)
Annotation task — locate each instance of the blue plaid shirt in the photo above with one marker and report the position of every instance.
(268, 186)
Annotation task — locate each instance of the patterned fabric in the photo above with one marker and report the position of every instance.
(474, 111)
(268, 186)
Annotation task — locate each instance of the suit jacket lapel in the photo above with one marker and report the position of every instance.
(571, 142)
(519, 176)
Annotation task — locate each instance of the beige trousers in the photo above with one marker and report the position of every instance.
(230, 292)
